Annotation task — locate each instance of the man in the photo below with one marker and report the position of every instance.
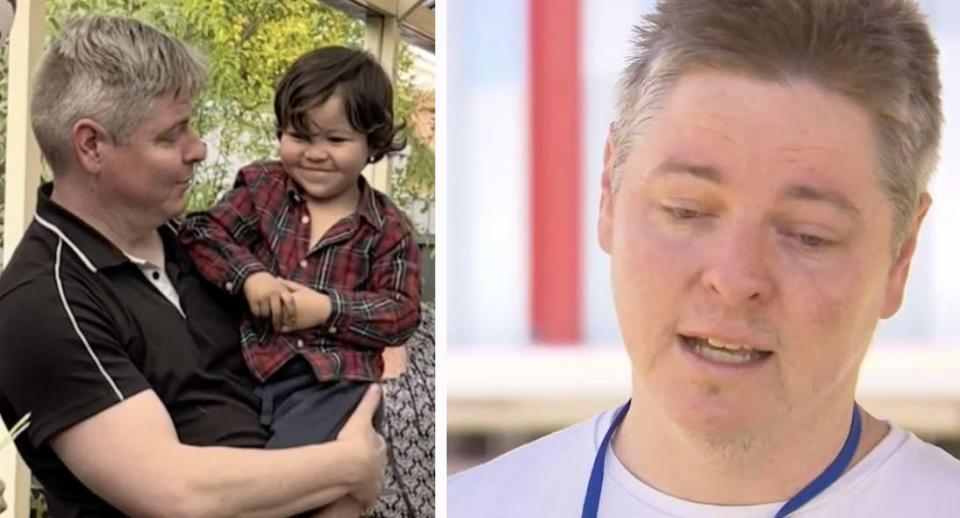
(762, 193)
(127, 359)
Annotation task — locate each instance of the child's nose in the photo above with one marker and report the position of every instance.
(317, 153)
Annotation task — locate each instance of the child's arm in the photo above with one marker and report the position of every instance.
(386, 314)
(220, 240)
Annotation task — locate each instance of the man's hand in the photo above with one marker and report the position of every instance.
(370, 446)
(269, 297)
(312, 307)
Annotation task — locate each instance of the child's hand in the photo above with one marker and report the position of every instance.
(270, 298)
(312, 307)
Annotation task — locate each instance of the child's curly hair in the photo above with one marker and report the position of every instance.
(362, 84)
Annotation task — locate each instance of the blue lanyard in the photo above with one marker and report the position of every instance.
(591, 503)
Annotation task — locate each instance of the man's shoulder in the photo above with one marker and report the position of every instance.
(546, 477)
(915, 478)
(928, 465)
(30, 274)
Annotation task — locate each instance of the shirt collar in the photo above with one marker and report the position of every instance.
(368, 208)
(95, 250)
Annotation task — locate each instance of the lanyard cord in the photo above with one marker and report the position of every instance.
(591, 502)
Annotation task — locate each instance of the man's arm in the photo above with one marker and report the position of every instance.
(386, 313)
(130, 456)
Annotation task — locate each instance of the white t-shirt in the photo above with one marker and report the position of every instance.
(902, 477)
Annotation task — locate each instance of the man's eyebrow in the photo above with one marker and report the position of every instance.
(182, 122)
(834, 198)
(797, 192)
(675, 166)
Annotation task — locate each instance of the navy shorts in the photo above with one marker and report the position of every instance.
(296, 409)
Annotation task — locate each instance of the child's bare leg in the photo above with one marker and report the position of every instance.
(345, 507)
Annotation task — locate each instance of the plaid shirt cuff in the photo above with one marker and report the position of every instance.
(339, 316)
(239, 275)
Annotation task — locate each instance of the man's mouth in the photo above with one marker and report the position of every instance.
(722, 352)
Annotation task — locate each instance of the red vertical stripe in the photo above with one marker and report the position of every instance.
(555, 178)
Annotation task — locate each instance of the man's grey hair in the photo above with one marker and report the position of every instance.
(877, 53)
(111, 70)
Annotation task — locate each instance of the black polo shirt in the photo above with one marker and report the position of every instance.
(82, 328)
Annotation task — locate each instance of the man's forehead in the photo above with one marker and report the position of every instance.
(167, 110)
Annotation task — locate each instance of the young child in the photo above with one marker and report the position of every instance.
(328, 265)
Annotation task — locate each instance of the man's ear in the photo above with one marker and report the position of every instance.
(87, 138)
(897, 277)
(605, 222)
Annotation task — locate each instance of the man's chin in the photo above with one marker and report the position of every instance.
(177, 208)
(710, 415)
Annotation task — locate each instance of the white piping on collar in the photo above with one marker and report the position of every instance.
(53, 228)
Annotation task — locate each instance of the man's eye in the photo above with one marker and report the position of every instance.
(683, 212)
(811, 241)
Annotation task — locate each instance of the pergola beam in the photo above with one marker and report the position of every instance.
(382, 39)
(23, 155)
(22, 176)
(417, 21)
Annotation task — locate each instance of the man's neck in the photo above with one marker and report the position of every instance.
(754, 470)
(126, 229)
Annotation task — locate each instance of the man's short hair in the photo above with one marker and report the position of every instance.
(362, 84)
(111, 70)
(878, 53)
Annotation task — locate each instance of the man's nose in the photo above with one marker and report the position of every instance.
(737, 269)
(196, 150)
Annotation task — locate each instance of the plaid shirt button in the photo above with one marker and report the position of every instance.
(303, 263)
(305, 219)
(300, 344)
(228, 286)
(333, 330)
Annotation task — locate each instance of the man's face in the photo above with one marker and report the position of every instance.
(152, 170)
(750, 243)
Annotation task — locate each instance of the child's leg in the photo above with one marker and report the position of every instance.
(297, 410)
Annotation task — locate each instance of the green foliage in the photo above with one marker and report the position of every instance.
(248, 45)
(414, 181)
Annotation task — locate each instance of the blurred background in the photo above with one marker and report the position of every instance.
(532, 334)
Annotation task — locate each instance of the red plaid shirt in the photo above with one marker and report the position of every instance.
(367, 263)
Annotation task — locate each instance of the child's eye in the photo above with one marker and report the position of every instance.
(337, 140)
